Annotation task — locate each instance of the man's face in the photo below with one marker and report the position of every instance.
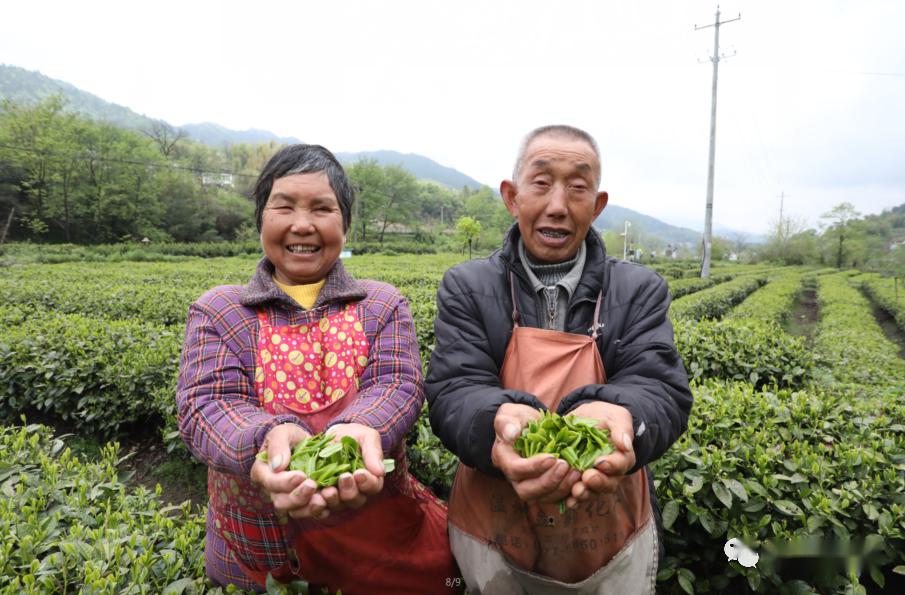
(555, 197)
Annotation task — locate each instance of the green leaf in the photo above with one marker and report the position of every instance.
(670, 513)
(755, 505)
(697, 482)
(722, 494)
(330, 450)
(885, 520)
(178, 587)
(788, 507)
(736, 487)
(900, 569)
(665, 574)
(275, 587)
(753, 579)
(686, 580)
(877, 575)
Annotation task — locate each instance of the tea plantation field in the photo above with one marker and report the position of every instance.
(796, 442)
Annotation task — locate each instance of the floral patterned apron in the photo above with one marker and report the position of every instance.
(397, 542)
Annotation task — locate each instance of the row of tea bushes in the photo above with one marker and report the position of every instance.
(772, 303)
(99, 374)
(682, 287)
(162, 292)
(715, 301)
(71, 525)
(749, 350)
(889, 294)
(772, 466)
(849, 344)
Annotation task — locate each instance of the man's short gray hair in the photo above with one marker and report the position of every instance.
(560, 130)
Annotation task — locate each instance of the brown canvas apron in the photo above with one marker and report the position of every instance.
(536, 539)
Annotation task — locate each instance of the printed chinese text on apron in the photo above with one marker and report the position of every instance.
(397, 542)
(534, 538)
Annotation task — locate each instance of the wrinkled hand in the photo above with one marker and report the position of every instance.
(541, 478)
(290, 491)
(353, 489)
(606, 475)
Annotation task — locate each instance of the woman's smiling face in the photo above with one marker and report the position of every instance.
(302, 228)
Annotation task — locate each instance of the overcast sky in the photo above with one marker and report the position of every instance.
(812, 104)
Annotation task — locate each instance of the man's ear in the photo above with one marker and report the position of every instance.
(602, 199)
(508, 192)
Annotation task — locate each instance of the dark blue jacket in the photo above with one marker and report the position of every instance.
(644, 372)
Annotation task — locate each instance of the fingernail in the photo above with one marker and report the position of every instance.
(276, 462)
(548, 462)
(510, 432)
(562, 468)
(626, 441)
(310, 483)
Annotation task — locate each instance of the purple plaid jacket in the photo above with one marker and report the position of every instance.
(219, 415)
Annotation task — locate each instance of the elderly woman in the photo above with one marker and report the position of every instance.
(305, 348)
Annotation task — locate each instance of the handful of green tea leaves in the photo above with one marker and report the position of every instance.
(323, 460)
(576, 440)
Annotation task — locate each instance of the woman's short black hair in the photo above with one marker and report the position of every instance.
(305, 159)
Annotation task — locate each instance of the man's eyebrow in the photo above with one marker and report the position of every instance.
(543, 163)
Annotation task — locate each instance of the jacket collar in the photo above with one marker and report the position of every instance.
(593, 277)
(340, 286)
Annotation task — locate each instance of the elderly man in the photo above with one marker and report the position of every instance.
(549, 321)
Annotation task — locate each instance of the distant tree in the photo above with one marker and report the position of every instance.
(401, 191)
(779, 246)
(839, 227)
(468, 229)
(739, 241)
(166, 137)
(369, 180)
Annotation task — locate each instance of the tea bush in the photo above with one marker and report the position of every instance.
(771, 466)
(682, 287)
(849, 344)
(71, 525)
(715, 301)
(773, 302)
(757, 352)
(883, 291)
(99, 374)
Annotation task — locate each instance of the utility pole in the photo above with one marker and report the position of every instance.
(625, 239)
(708, 218)
(9, 221)
(783, 230)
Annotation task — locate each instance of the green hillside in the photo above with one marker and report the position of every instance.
(27, 87)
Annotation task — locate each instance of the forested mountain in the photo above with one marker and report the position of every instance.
(614, 218)
(27, 87)
(167, 149)
(419, 165)
(218, 136)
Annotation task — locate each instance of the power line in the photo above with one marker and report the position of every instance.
(88, 157)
